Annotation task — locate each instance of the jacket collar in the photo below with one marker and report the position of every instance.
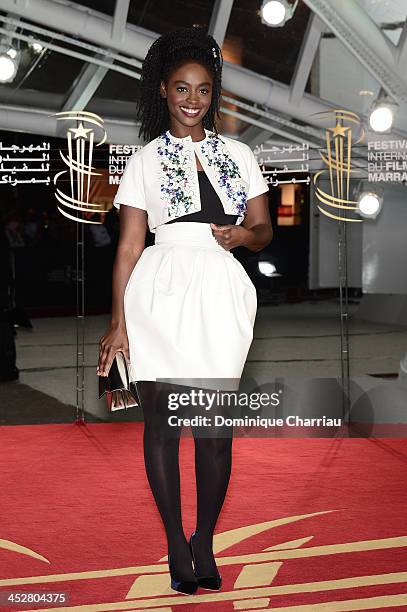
(208, 134)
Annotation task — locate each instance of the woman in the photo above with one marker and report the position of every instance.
(183, 309)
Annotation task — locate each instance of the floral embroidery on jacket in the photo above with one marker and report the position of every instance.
(227, 172)
(176, 177)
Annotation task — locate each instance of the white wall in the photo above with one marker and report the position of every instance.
(342, 79)
(385, 245)
(377, 248)
(323, 252)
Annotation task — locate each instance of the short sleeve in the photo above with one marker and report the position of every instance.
(131, 187)
(257, 182)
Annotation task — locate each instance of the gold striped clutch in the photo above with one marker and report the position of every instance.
(120, 390)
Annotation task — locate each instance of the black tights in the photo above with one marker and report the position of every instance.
(213, 459)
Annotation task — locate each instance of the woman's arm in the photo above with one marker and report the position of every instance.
(133, 228)
(255, 232)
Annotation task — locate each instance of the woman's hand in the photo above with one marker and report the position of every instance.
(114, 340)
(230, 236)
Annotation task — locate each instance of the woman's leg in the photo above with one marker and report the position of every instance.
(213, 464)
(161, 457)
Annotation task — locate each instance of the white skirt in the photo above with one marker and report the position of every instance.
(189, 309)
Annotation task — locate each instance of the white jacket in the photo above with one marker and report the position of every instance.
(162, 177)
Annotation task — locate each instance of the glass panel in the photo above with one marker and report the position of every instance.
(161, 17)
(46, 75)
(390, 15)
(102, 6)
(342, 79)
(116, 86)
(263, 49)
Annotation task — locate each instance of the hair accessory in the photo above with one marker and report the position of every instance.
(216, 57)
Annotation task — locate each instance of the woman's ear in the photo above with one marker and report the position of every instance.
(163, 92)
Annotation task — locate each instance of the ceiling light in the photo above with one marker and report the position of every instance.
(8, 68)
(382, 114)
(276, 13)
(36, 47)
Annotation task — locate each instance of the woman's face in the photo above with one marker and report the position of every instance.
(189, 93)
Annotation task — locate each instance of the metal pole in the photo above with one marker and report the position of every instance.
(344, 316)
(343, 303)
(80, 323)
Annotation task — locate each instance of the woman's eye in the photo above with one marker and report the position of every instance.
(182, 89)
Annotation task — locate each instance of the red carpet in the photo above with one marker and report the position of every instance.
(77, 516)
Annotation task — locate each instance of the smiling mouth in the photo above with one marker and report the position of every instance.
(191, 112)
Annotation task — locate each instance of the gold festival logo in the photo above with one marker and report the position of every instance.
(79, 161)
(337, 158)
(251, 586)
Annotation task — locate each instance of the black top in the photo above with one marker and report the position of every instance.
(212, 209)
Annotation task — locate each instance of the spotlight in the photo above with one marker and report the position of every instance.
(267, 268)
(36, 47)
(382, 115)
(369, 204)
(276, 13)
(8, 67)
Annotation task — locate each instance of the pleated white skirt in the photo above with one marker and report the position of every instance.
(189, 308)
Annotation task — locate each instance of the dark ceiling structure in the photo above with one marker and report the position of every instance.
(91, 55)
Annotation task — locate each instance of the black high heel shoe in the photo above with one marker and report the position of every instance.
(210, 583)
(188, 587)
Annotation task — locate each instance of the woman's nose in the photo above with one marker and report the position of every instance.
(193, 97)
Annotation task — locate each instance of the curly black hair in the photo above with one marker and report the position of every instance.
(167, 52)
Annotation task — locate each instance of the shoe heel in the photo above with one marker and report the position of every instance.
(188, 587)
(209, 583)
